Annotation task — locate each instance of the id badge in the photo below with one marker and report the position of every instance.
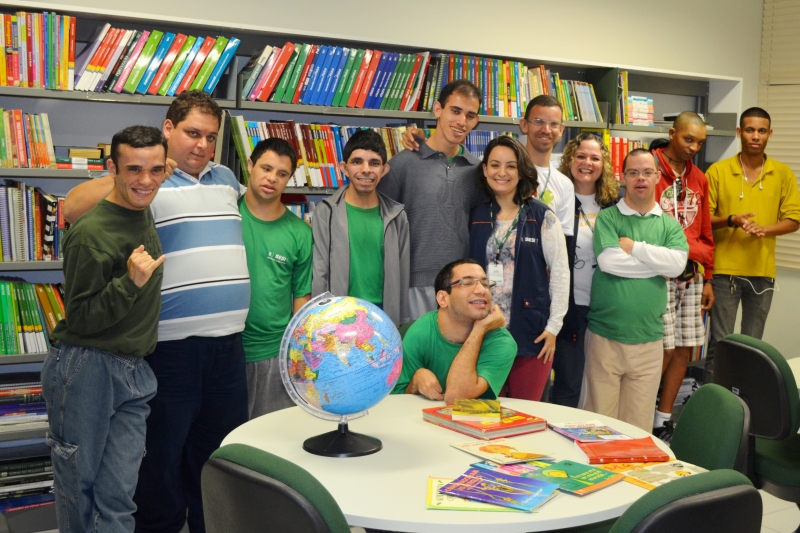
(496, 273)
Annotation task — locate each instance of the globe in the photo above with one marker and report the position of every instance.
(339, 357)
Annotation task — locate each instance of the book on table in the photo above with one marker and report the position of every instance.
(509, 491)
(652, 475)
(526, 469)
(576, 478)
(511, 423)
(436, 500)
(502, 451)
(587, 431)
(476, 410)
(642, 450)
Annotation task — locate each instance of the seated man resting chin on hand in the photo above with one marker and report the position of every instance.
(461, 350)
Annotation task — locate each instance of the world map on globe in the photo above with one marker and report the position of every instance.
(342, 356)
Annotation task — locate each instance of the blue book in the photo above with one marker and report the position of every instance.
(337, 77)
(319, 82)
(13, 503)
(222, 64)
(376, 80)
(152, 67)
(45, 51)
(185, 67)
(308, 86)
(339, 154)
(391, 65)
(334, 73)
(501, 489)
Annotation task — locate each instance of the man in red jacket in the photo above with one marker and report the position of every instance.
(682, 192)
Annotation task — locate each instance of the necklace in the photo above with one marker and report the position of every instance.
(744, 175)
(679, 163)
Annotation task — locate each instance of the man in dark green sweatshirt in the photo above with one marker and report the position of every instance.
(95, 380)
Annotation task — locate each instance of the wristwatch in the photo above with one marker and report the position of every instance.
(730, 221)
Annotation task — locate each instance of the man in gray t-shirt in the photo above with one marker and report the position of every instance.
(439, 186)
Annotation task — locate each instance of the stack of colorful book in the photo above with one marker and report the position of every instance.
(37, 50)
(25, 140)
(26, 483)
(511, 423)
(28, 313)
(501, 489)
(576, 97)
(32, 224)
(152, 62)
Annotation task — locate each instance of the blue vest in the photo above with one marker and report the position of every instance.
(530, 297)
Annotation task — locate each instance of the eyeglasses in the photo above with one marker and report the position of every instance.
(633, 174)
(539, 123)
(469, 281)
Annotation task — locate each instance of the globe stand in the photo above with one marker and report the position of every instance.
(342, 443)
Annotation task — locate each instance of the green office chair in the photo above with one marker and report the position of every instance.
(722, 501)
(249, 490)
(760, 375)
(712, 431)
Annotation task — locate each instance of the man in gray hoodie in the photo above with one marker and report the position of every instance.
(361, 243)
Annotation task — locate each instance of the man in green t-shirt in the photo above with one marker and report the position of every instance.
(361, 244)
(461, 350)
(279, 247)
(636, 247)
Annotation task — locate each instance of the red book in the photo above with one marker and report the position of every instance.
(373, 66)
(622, 451)
(19, 131)
(29, 32)
(298, 91)
(194, 68)
(277, 70)
(166, 64)
(71, 63)
(410, 85)
(10, 79)
(362, 73)
(512, 423)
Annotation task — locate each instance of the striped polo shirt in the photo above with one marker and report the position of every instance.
(206, 287)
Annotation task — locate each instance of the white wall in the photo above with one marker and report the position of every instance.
(720, 37)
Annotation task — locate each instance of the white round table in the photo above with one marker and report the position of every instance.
(386, 490)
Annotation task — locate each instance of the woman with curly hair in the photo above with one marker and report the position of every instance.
(517, 240)
(587, 162)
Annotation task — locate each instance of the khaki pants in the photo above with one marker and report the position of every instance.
(621, 380)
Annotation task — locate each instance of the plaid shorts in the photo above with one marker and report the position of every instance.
(683, 321)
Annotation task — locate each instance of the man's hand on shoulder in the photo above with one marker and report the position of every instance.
(492, 321)
(141, 266)
(412, 137)
(626, 244)
(424, 382)
(170, 167)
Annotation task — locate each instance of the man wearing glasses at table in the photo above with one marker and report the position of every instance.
(636, 247)
(461, 350)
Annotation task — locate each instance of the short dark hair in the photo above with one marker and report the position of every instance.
(365, 140)
(462, 87)
(756, 112)
(528, 178)
(137, 137)
(277, 145)
(444, 275)
(637, 151)
(185, 102)
(543, 100)
(655, 144)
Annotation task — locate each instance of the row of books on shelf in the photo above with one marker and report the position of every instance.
(38, 50)
(25, 140)
(619, 148)
(32, 224)
(30, 312)
(632, 110)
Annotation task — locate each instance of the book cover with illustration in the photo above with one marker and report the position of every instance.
(509, 491)
(526, 469)
(476, 410)
(652, 475)
(446, 502)
(588, 431)
(576, 478)
(502, 451)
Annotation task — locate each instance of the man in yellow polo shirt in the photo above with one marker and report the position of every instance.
(752, 199)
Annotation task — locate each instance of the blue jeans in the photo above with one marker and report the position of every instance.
(755, 295)
(97, 406)
(568, 364)
(202, 396)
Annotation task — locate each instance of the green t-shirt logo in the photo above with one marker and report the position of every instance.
(548, 197)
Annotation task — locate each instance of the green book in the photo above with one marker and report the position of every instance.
(39, 329)
(390, 86)
(291, 86)
(576, 478)
(3, 150)
(144, 59)
(8, 346)
(208, 65)
(20, 315)
(287, 74)
(176, 65)
(402, 81)
(351, 77)
(348, 66)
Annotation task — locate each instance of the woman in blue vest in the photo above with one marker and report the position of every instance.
(519, 242)
(587, 162)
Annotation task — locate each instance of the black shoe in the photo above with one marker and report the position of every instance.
(665, 432)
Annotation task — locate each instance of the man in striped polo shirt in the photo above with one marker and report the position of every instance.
(198, 361)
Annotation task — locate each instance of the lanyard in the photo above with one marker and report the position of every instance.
(546, 183)
(583, 214)
(677, 185)
(501, 244)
